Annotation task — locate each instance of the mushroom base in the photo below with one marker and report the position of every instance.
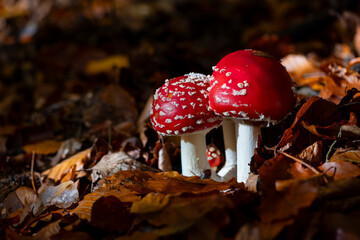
(193, 156)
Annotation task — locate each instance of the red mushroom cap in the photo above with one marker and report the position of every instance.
(181, 106)
(213, 155)
(253, 85)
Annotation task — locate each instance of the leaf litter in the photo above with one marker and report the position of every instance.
(79, 162)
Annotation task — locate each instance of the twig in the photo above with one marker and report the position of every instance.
(303, 163)
(300, 161)
(32, 171)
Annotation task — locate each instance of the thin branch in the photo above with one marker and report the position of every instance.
(32, 171)
(300, 161)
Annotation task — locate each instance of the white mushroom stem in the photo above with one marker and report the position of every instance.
(229, 169)
(193, 155)
(246, 143)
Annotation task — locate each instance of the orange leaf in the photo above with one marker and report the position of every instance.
(45, 147)
(340, 169)
(61, 169)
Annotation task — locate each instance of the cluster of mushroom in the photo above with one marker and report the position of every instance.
(247, 90)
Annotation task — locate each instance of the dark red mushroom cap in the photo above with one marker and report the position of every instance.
(250, 84)
(181, 106)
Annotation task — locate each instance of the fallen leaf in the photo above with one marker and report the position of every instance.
(61, 169)
(83, 210)
(45, 147)
(280, 209)
(107, 64)
(340, 169)
(346, 155)
(110, 214)
(182, 211)
(152, 202)
(114, 162)
(61, 196)
(312, 154)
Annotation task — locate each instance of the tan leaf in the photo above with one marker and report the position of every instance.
(61, 169)
(45, 147)
(346, 155)
(83, 210)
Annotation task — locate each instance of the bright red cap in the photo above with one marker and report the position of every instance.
(253, 85)
(213, 155)
(181, 106)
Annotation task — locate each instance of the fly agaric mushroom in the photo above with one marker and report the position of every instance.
(181, 108)
(254, 88)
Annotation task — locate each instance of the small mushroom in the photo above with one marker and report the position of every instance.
(181, 108)
(213, 156)
(253, 88)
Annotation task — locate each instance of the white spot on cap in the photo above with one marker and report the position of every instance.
(218, 100)
(240, 85)
(170, 109)
(168, 120)
(238, 93)
(200, 121)
(184, 129)
(193, 104)
(168, 131)
(157, 107)
(246, 84)
(176, 132)
(222, 70)
(228, 74)
(177, 117)
(226, 114)
(175, 104)
(162, 113)
(184, 106)
(243, 114)
(190, 116)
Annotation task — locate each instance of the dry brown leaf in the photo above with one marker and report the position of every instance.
(357, 40)
(83, 210)
(61, 196)
(312, 154)
(61, 169)
(114, 162)
(346, 155)
(299, 67)
(280, 209)
(181, 212)
(111, 214)
(45, 147)
(340, 169)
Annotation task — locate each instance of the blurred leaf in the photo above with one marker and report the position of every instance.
(107, 64)
(280, 209)
(346, 155)
(45, 147)
(340, 169)
(111, 214)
